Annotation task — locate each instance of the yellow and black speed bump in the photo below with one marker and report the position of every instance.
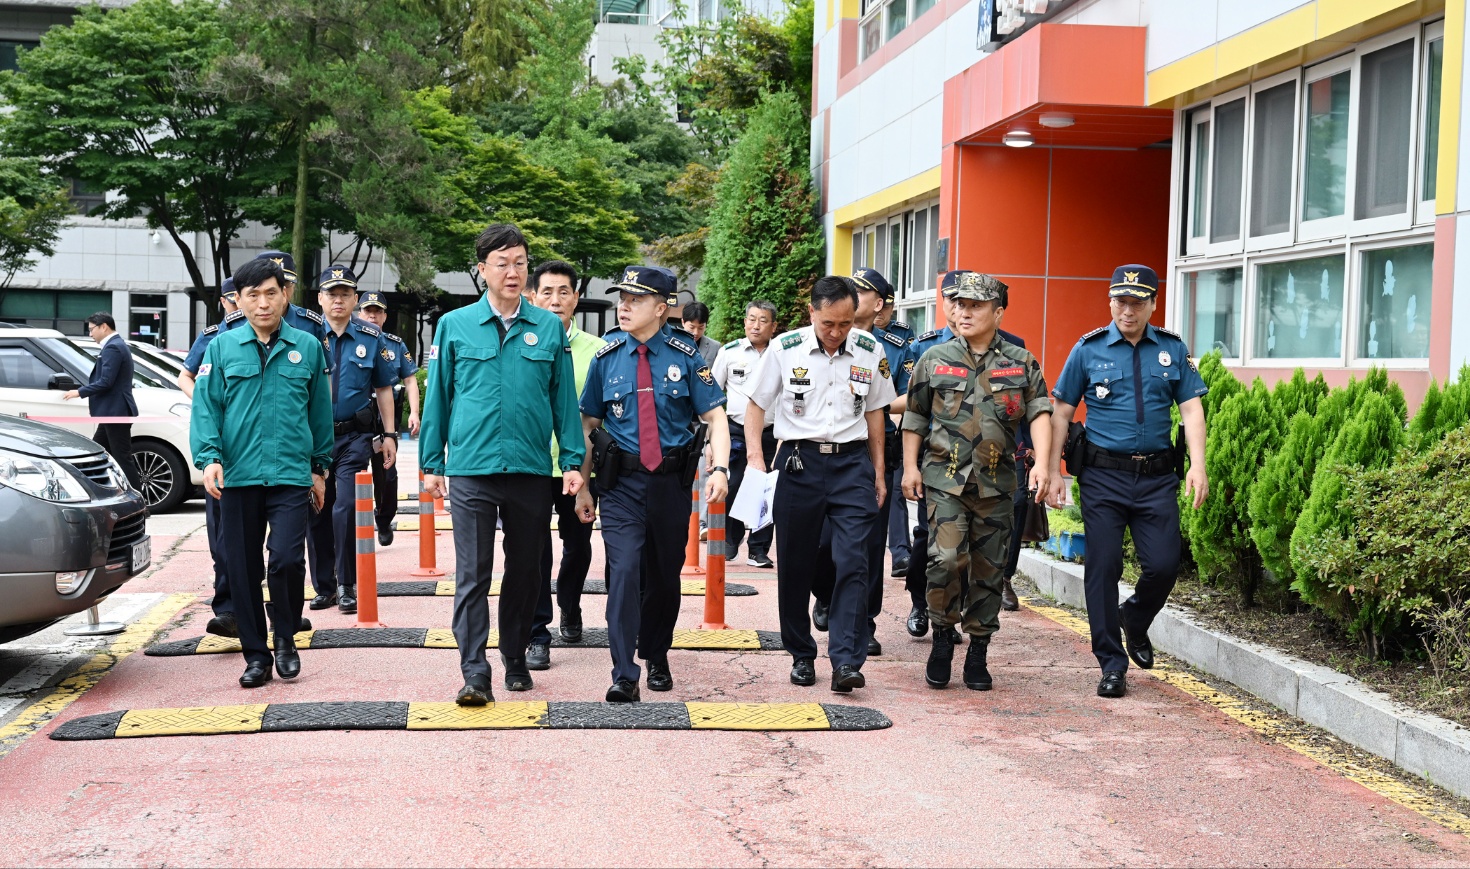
(539, 715)
(445, 588)
(443, 638)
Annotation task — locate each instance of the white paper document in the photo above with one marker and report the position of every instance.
(753, 503)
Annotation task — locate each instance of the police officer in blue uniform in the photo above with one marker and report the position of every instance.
(914, 580)
(1130, 374)
(385, 479)
(646, 389)
(362, 375)
(305, 319)
(885, 324)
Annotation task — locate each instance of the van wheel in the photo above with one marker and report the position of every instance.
(163, 478)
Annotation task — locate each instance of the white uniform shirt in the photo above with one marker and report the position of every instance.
(815, 396)
(734, 370)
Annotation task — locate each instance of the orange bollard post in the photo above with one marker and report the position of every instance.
(691, 549)
(714, 577)
(367, 557)
(428, 565)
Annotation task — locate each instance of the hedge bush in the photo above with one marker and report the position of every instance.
(1443, 411)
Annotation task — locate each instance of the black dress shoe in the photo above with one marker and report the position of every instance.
(659, 677)
(571, 624)
(255, 675)
(804, 672)
(538, 656)
(941, 659)
(322, 601)
(223, 625)
(847, 677)
(900, 567)
(305, 625)
(1137, 643)
(918, 622)
(288, 661)
(385, 537)
(476, 692)
(517, 674)
(1114, 683)
(875, 648)
(977, 675)
(347, 601)
(623, 691)
(1008, 600)
(819, 615)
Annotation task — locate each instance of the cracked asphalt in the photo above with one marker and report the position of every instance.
(1039, 771)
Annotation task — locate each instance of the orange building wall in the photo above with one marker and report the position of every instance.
(1053, 223)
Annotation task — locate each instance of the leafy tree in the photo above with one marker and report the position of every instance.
(765, 240)
(487, 40)
(684, 253)
(122, 100)
(1368, 439)
(33, 205)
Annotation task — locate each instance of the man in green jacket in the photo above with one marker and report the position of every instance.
(500, 385)
(261, 430)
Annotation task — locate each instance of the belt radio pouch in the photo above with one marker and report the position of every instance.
(1181, 450)
(1074, 449)
(605, 459)
(693, 455)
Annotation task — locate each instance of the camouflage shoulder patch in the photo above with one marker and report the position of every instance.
(606, 349)
(1094, 333)
(312, 315)
(891, 338)
(210, 330)
(865, 342)
(678, 343)
(731, 346)
(791, 339)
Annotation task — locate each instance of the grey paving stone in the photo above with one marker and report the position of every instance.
(1436, 749)
(1347, 710)
(1258, 670)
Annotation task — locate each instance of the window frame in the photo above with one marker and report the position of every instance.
(1338, 225)
(1200, 116)
(1198, 267)
(1237, 244)
(1404, 220)
(1254, 357)
(1359, 252)
(1284, 237)
(1424, 210)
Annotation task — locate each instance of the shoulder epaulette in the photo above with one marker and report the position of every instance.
(311, 315)
(609, 347)
(928, 336)
(680, 330)
(899, 324)
(678, 343)
(865, 341)
(1094, 333)
(371, 330)
(1170, 333)
(733, 344)
(210, 330)
(791, 339)
(233, 316)
(895, 340)
(391, 337)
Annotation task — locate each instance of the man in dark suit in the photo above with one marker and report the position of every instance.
(109, 392)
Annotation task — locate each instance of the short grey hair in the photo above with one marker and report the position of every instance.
(763, 305)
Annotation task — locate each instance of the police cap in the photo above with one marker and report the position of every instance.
(873, 281)
(1134, 281)
(282, 259)
(337, 275)
(648, 281)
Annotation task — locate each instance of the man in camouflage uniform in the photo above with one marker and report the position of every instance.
(966, 400)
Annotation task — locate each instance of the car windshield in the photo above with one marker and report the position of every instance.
(160, 359)
(84, 356)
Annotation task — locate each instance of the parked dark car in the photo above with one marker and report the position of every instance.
(71, 530)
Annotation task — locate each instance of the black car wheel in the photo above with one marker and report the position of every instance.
(163, 477)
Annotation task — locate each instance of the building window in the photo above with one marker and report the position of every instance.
(1299, 309)
(62, 310)
(1385, 131)
(904, 247)
(1229, 172)
(1212, 303)
(1394, 303)
(86, 198)
(1199, 156)
(10, 50)
(1325, 147)
(1272, 160)
(882, 21)
(1433, 72)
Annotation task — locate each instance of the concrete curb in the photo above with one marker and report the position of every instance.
(1425, 745)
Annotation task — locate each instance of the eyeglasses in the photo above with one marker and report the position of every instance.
(518, 265)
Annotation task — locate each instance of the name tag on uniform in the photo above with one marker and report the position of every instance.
(1015, 371)
(952, 370)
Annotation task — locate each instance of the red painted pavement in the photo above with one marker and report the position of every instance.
(1039, 771)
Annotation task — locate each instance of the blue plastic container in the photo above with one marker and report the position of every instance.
(1072, 545)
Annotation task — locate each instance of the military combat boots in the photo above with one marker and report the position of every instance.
(941, 658)
(977, 677)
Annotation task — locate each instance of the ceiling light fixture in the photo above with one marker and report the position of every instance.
(1057, 120)
(1018, 139)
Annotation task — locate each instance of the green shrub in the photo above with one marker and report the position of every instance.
(1298, 394)
(1222, 384)
(1403, 552)
(1443, 411)
(1243, 431)
(1065, 519)
(1368, 440)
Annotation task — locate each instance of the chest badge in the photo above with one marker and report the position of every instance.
(1165, 359)
(1102, 390)
(361, 352)
(531, 339)
(675, 374)
(294, 356)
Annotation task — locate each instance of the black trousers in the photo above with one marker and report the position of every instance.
(117, 439)
(825, 576)
(838, 490)
(385, 492)
(222, 603)
(645, 551)
(245, 514)
(760, 541)
(522, 504)
(333, 542)
(1149, 507)
(576, 560)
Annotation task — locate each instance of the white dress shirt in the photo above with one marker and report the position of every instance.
(813, 395)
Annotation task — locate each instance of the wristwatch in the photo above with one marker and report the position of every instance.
(318, 471)
(721, 468)
(391, 434)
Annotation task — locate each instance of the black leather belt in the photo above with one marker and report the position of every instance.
(827, 448)
(349, 426)
(1147, 464)
(629, 463)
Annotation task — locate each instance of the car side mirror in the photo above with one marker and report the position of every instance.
(63, 382)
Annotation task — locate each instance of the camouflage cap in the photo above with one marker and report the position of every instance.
(976, 286)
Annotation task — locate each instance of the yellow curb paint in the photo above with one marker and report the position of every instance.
(1277, 729)
(137, 635)
(757, 716)
(411, 523)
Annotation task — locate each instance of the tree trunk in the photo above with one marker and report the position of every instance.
(298, 226)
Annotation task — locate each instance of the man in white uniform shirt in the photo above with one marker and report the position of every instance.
(735, 370)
